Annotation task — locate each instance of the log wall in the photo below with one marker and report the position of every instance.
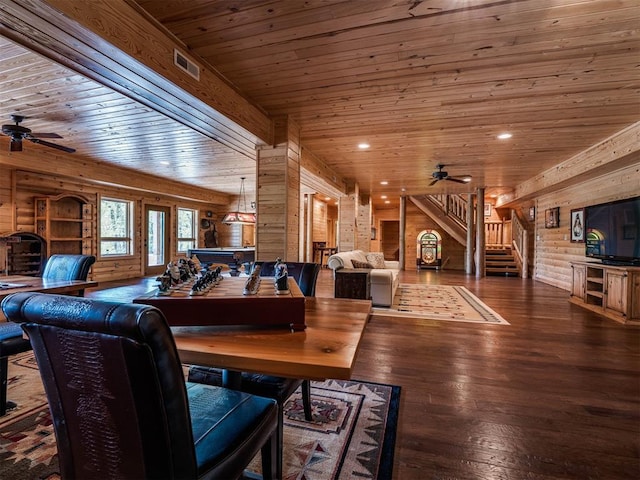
(553, 247)
(18, 189)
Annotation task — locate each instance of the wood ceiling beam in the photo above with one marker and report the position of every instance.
(77, 167)
(618, 151)
(82, 36)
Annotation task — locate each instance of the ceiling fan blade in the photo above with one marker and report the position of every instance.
(52, 145)
(457, 180)
(433, 182)
(45, 135)
(15, 145)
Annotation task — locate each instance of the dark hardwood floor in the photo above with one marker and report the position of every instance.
(553, 395)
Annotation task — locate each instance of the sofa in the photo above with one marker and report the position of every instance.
(383, 275)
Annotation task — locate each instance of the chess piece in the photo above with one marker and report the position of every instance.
(282, 277)
(174, 273)
(163, 286)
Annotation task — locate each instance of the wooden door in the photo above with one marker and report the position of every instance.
(616, 291)
(578, 281)
(156, 241)
(390, 239)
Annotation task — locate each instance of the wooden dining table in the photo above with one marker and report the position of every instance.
(327, 348)
(22, 283)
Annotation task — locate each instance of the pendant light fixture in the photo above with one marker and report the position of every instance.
(239, 216)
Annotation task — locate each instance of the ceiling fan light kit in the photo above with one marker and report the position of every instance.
(17, 133)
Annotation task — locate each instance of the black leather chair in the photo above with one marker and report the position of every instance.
(278, 388)
(68, 267)
(119, 402)
(12, 341)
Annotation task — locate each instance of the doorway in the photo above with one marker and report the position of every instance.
(156, 239)
(390, 239)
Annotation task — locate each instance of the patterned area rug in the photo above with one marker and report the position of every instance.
(352, 434)
(439, 302)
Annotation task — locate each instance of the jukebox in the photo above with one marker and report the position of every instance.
(429, 249)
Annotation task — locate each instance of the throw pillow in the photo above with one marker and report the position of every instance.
(376, 259)
(357, 264)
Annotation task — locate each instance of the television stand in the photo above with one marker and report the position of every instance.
(619, 263)
(609, 290)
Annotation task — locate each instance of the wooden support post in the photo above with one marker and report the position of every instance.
(468, 258)
(480, 240)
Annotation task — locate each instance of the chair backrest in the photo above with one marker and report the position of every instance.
(304, 273)
(114, 383)
(68, 267)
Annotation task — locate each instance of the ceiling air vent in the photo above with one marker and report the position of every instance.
(185, 64)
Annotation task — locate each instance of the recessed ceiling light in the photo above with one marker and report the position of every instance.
(164, 162)
(505, 136)
(363, 146)
(387, 201)
(383, 196)
(327, 198)
(384, 182)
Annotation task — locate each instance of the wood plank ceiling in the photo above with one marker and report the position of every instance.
(423, 82)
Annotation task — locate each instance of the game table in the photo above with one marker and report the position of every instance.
(225, 304)
(327, 348)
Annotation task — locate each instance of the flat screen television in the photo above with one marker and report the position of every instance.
(612, 232)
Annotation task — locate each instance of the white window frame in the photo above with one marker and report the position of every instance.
(128, 238)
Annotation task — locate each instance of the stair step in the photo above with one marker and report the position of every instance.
(503, 273)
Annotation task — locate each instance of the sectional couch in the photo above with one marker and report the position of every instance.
(383, 275)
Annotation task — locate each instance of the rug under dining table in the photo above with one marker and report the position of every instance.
(352, 434)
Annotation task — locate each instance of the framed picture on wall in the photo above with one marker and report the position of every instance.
(487, 209)
(532, 213)
(577, 225)
(552, 217)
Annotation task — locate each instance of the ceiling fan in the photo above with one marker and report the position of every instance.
(442, 175)
(17, 133)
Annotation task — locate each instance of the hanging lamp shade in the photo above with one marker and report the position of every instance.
(240, 216)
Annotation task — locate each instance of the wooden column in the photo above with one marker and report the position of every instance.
(278, 194)
(403, 223)
(468, 253)
(347, 220)
(363, 223)
(480, 240)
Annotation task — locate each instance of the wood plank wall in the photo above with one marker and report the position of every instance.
(346, 222)
(319, 228)
(553, 247)
(417, 221)
(278, 195)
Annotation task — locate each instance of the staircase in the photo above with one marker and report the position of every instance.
(500, 261)
(450, 213)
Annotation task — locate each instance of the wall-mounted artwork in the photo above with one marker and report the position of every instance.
(552, 217)
(577, 225)
(487, 209)
(532, 213)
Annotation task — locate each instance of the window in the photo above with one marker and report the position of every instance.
(116, 236)
(187, 220)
